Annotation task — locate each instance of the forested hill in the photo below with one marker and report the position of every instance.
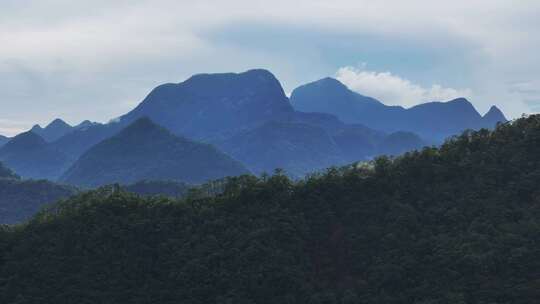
(455, 224)
(21, 199)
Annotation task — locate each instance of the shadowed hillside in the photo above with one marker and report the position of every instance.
(145, 150)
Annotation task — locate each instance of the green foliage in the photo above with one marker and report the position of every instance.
(158, 187)
(459, 224)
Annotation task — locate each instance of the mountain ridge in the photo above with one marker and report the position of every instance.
(145, 150)
(433, 121)
(30, 156)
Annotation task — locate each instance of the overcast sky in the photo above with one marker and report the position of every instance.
(98, 59)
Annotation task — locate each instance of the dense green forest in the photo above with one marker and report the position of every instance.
(158, 188)
(455, 224)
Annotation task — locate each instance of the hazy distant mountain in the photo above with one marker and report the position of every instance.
(30, 156)
(206, 106)
(3, 140)
(56, 129)
(433, 121)
(158, 188)
(328, 95)
(86, 124)
(297, 148)
(494, 116)
(399, 142)
(75, 143)
(357, 142)
(145, 150)
(210, 106)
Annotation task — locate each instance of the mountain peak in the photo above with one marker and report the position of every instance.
(26, 140)
(36, 128)
(143, 124)
(58, 123)
(329, 82)
(494, 115)
(53, 131)
(329, 95)
(460, 101)
(211, 105)
(157, 153)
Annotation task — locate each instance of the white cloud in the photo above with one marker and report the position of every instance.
(394, 90)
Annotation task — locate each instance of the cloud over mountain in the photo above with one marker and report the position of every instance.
(393, 89)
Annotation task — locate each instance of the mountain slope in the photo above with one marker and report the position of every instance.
(296, 148)
(493, 116)
(400, 142)
(208, 106)
(455, 224)
(79, 141)
(53, 131)
(145, 150)
(31, 157)
(3, 140)
(222, 108)
(432, 121)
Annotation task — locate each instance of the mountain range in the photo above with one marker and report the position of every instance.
(243, 116)
(30, 156)
(433, 121)
(3, 140)
(58, 128)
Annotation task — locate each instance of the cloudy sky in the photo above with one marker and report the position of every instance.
(97, 59)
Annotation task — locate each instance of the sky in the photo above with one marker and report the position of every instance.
(98, 59)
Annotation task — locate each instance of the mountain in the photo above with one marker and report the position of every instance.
(297, 148)
(455, 224)
(53, 131)
(228, 110)
(357, 142)
(75, 143)
(144, 150)
(400, 142)
(210, 106)
(433, 121)
(494, 116)
(86, 124)
(30, 156)
(438, 120)
(328, 95)
(3, 140)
